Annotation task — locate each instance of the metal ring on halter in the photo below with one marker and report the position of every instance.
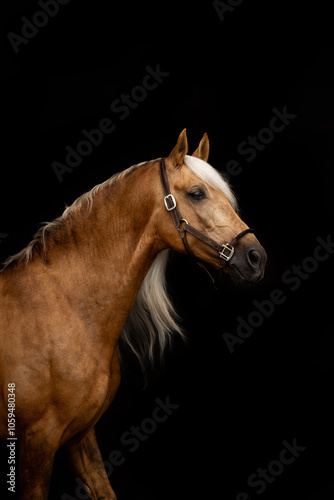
(182, 233)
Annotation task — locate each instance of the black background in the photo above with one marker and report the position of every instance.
(225, 78)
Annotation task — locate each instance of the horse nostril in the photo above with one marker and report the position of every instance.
(254, 258)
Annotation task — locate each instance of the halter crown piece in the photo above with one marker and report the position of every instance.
(225, 251)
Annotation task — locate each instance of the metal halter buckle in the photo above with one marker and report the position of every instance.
(172, 199)
(230, 249)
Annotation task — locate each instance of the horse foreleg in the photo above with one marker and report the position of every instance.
(86, 461)
(38, 445)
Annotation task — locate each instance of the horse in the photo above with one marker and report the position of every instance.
(76, 291)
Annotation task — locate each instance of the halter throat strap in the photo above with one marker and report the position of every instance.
(225, 251)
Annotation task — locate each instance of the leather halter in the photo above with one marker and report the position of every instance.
(225, 251)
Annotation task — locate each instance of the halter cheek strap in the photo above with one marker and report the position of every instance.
(225, 251)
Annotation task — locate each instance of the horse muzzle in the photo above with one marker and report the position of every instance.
(248, 263)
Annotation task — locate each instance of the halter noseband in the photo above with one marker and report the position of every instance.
(225, 251)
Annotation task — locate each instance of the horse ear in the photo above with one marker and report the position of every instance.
(202, 152)
(180, 150)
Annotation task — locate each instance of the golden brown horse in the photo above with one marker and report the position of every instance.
(66, 299)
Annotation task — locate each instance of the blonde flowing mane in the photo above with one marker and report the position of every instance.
(153, 319)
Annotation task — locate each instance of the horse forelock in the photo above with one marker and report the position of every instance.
(211, 176)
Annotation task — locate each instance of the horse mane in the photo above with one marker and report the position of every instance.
(82, 205)
(153, 319)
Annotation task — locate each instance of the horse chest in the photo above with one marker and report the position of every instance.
(97, 396)
(99, 392)
(88, 406)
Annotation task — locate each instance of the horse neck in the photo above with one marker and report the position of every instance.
(106, 253)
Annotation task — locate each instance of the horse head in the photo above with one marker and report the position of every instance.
(209, 220)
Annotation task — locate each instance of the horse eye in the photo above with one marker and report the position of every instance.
(197, 194)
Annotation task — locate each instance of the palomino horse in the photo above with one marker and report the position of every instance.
(68, 298)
